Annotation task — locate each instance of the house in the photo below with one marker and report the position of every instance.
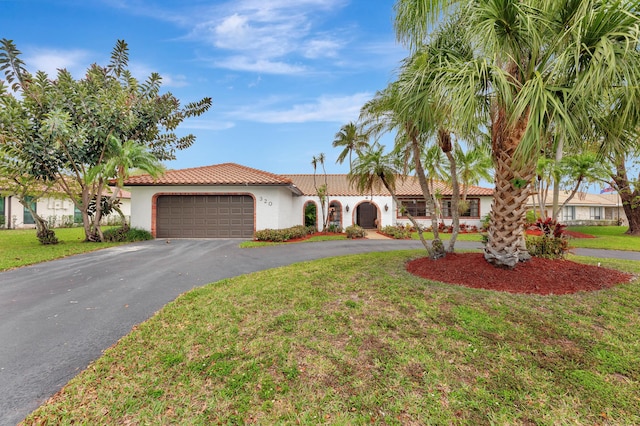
(57, 211)
(233, 201)
(586, 209)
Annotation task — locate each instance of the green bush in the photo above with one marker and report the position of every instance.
(280, 235)
(355, 231)
(334, 228)
(47, 237)
(126, 235)
(398, 232)
(547, 246)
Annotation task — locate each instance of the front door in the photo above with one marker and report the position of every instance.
(366, 215)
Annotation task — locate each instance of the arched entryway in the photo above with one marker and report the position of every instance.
(366, 215)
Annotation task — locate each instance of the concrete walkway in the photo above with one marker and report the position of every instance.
(56, 317)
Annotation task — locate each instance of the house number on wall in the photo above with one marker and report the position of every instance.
(267, 202)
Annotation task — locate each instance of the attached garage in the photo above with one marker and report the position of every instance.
(205, 216)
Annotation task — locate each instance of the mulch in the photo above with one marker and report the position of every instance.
(536, 276)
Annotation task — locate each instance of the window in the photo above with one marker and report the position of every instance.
(568, 213)
(595, 213)
(472, 211)
(2, 218)
(77, 215)
(415, 207)
(28, 217)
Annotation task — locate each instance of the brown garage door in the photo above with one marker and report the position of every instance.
(204, 216)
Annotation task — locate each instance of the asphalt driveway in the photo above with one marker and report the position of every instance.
(56, 317)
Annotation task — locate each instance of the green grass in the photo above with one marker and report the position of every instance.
(358, 340)
(20, 247)
(607, 237)
(316, 238)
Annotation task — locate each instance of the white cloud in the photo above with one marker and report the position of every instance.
(51, 60)
(324, 109)
(142, 72)
(200, 124)
(265, 66)
(268, 34)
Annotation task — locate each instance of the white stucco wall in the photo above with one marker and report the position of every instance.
(348, 217)
(54, 210)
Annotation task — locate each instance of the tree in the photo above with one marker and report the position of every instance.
(538, 63)
(384, 113)
(322, 191)
(352, 140)
(122, 159)
(474, 165)
(373, 169)
(67, 127)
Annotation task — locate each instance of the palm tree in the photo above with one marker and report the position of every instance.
(538, 63)
(474, 165)
(124, 158)
(373, 169)
(322, 190)
(352, 140)
(386, 112)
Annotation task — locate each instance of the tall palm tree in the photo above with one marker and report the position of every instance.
(539, 63)
(352, 140)
(386, 112)
(322, 190)
(373, 169)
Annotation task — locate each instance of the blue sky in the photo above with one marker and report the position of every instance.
(284, 75)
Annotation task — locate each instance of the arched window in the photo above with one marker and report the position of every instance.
(335, 215)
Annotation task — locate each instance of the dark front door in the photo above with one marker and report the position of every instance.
(366, 215)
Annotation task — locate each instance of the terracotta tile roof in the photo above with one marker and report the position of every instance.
(339, 186)
(219, 174)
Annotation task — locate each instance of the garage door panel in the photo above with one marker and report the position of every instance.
(204, 216)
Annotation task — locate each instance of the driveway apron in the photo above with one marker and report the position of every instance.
(56, 317)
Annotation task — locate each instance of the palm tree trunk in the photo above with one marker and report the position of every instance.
(506, 246)
(432, 254)
(438, 247)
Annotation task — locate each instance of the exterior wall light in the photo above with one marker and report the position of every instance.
(347, 208)
(386, 208)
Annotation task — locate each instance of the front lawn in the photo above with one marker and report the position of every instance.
(607, 237)
(358, 340)
(20, 247)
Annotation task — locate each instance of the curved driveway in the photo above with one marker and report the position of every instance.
(56, 317)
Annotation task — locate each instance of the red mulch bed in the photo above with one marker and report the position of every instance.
(537, 276)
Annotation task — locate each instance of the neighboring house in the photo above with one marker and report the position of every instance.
(59, 212)
(586, 209)
(233, 201)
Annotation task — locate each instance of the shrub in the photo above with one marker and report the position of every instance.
(281, 235)
(547, 246)
(126, 235)
(398, 232)
(334, 228)
(355, 231)
(486, 219)
(47, 237)
(549, 227)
